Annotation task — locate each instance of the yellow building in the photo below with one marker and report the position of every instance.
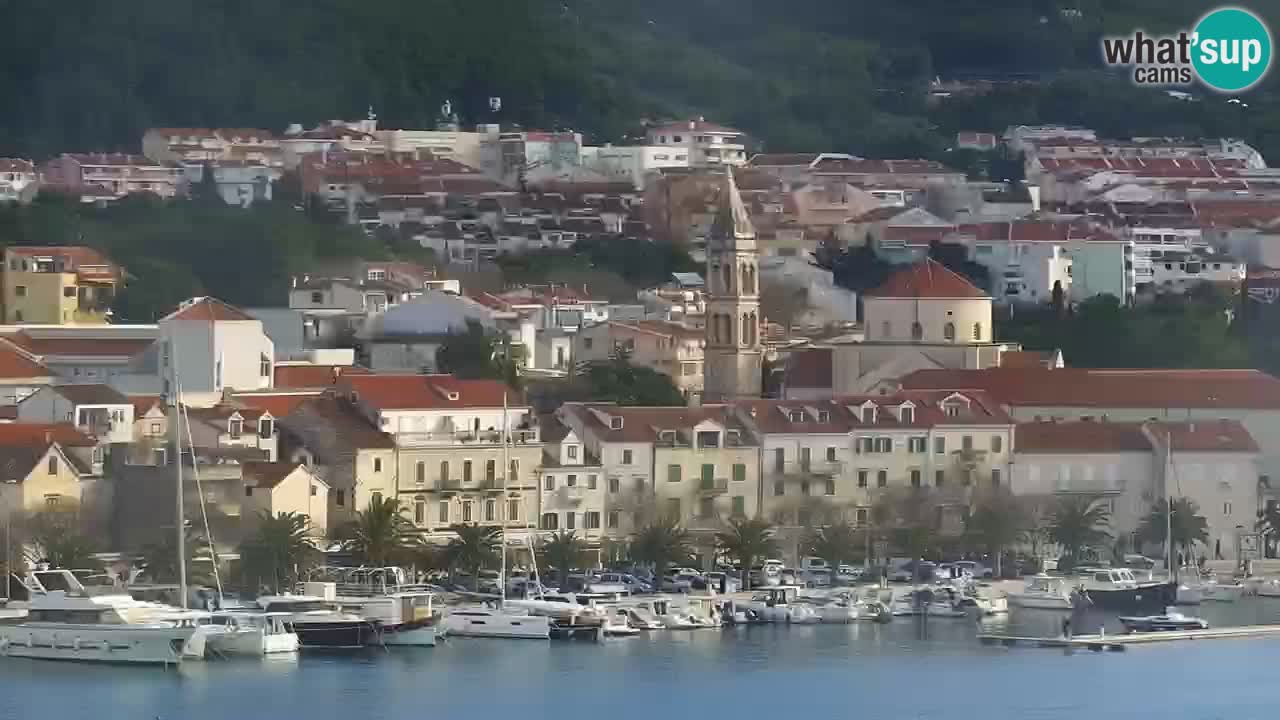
(45, 467)
(58, 285)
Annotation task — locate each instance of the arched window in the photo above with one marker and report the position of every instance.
(753, 287)
(949, 331)
(886, 330)
(746, 279)
(726, 274)
(977, 331)
(746, 329)
(917, 331)
(755, 329)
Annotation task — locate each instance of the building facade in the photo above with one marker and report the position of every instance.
(734, 351)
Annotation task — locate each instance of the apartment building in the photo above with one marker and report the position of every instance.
(17, 179)
(666, 347)
(449, 462)
(212, 145)
(59, 285)
(114, 173)
(573, 487)
(704, 143)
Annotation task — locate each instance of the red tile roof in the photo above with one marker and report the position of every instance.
(339, 424)
(916, 234)
(311, 376)
(17, 165)
(142, 404)
(782, 159)
(267, 474)
(1208, 436)
(928, 279)
(843, 166)
(279, 404)
(879, 214)
(659, 327)
(37, 434)
(844, 412)
(113, 159)
(1080, 437)
(1025, 359)
(96, 347)
(74, 255)
(411, 392)
(1079, 387)
(643, 424)
(14, 364)
(208, 309)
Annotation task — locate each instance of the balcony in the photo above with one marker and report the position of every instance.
(1088, 486)
(448, 487)
(800, 470)
(466, 437)
(570, 495)
(708, 487)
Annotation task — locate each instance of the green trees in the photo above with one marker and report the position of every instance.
(659, 545)
(160, 559)
(1187, 525)
(278, 552)
(999, 522)
(380, 535)
(745, 541)
(837, 544)
(477, 353)
(473, 549)
(1077, 524)
(56, 537)
(563, 552)
(617, 380)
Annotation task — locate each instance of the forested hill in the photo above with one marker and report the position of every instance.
(800, 74)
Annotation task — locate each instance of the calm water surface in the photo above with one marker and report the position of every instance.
(906, 669)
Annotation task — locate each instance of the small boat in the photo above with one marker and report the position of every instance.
(250, 634)
(405, 613)
(491, 621)
(618, 624)
(1267, 589)
(1043, 592)
(322, 624)
(778, 604)
(1118, 589)
(1170, 621)
(640, 619)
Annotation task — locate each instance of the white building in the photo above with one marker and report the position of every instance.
(239, 184)
(1026, 259)
(95, 410)
(17, 177)
(705, 144)
(633, 163)
(209, 346)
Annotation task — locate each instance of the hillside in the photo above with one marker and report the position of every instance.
(805, 74)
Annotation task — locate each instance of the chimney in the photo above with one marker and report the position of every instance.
(48, 437)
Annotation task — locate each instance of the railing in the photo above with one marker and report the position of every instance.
(713, 486)
(800, 469)
(1094, 486)
(466, 437)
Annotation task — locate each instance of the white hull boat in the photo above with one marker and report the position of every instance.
(488, 622)
(1269, 589)
(1189, 595)
(251, 635)
(639, 619)
(1042, 592)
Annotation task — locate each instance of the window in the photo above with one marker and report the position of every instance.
(917, 331)
(466, 471)
(591, 482)
(466, 512)
(613, 519)
(917, 444)
(69, 291)
(571, 481)
(966, 443)
(862, 478)
(860, 516)
(377, 465)
(739, 472)
(804, 487)
(831, 487)
(907, 414)
(886, 329)
(513, 510)
(265, 428)
(550, 521)
(20, 290)
(673, 473)
(591, 520)
(264, 366)
(317, 297)
(419, 512)
(340, 498)
(53, 464)
(939, 477)
(248, 491)
(831, 454)
(549, 483)
(997, 443)
(443, 514)
(884, 445)
(951, 410)
(615, 484)
(779, 459)
(421, 476)
(995, 477)
(977, 331)
(155, 428)
(1226, 508)
(586, 343)
(572, 452)
(490, 510)
(779, 488)
(313, 491)
(374, 498)
(805, 459)
(708, 474)
(949, 331)
(235, 427)
(513, 471)
(915, 478)
(882, 478)
(739, 506)
(490, 470)
(626, 457)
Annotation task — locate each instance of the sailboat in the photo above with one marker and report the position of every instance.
(498, 620)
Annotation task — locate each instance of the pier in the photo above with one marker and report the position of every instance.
(1117, 643)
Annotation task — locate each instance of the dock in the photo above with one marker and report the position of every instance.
(1117, 643)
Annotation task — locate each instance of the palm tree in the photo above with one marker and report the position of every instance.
(1187, 525)
(1077, 523)
(1000, 522)
(279, 550)
(160, 559)
(474, 548)
(833, 543)
(380, 535)
(744, 541)
(1269, 525)
(562, 552)
(660, 544)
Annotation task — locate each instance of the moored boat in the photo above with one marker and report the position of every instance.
(1168, 622)
(1117, 589)
(1043, 592)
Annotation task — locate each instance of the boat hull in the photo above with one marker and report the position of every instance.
(1040, 602)
(1155, 595)
(253, 643)
(336, 635)
(89, 643)
(420, 633)
(497, 625)
(1138, 624)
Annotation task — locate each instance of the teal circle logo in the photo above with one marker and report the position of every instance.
(1231, 49)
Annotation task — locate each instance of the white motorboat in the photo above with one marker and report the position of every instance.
(250, 634)
(640, 619)
(671, 617)
(1043, 592)
(1268, 589)
(321, 623)
(65, 623)
(1170, 621)
(618, 624)
(778, 604)
(405, 613)
(495, 622)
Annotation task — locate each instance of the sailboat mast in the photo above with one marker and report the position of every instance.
(506, 467)
(179, 510)
(1168, 506)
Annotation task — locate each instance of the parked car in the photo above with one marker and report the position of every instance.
(851, 573)
(914, 571)
(814, 563)
(633, 584)
(676, 583)
(974, 568)
(818, 577)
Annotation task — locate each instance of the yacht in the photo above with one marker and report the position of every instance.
(778, 604)
(1170, 621)
(495, 622)
(1043, 592)
(321, 623)
(1117, 589)
(250, 634)
(618, 624)
(64, 622)
(639, 618)
(1201, 589)
(405, 613)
